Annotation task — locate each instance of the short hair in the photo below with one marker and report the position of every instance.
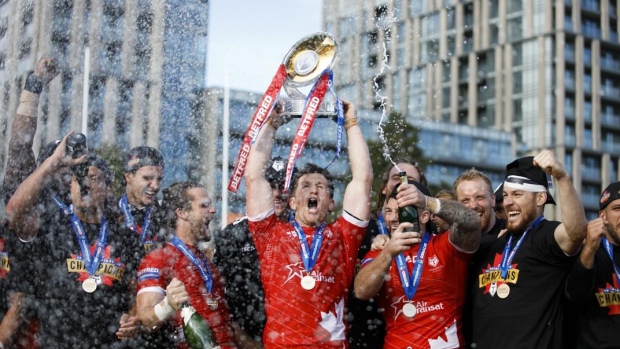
(174, 197)
(472, 175)
(312, 168)
(386, 176)
(446, 194)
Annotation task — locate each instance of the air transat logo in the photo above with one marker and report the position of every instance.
(610, 296)
(297, 270)
(109, 269)
(491, 277)
(421, 306)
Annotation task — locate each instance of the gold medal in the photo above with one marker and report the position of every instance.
(308, 282)
(409, 310)
(89, 285)
(503, 291)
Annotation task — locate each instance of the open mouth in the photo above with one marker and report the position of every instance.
(513, 214)
(313, 203)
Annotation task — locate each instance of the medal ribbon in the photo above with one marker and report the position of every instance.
(317, 240)
(381, 225)
(64, 208)
(411, 281)
(91, 262)
(610, 251)
(203, 268)
(508, 255)
(130, 222)
(313, 102)
(258, 120)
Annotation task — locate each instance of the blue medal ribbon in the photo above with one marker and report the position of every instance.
(411, 281)
(130, 222)
(202, 266)
(610, 251)
(308, 257)
(91, 262)
(383, 230)
(508, 255)
(64, 208)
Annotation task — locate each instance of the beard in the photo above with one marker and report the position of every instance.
(613, 233)
(524, 221)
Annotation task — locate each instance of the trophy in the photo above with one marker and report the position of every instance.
(308, 62)
(304, 63)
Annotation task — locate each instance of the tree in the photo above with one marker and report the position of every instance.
(113, 155)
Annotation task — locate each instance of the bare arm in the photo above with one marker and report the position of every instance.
(21, 158)
(465, 231)
(259, 197)
(357, 194)
(12, 320)
(370, 278)
(570, 234)
(580, 281)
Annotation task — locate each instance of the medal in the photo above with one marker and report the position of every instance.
(503, 291)
(308, 282)
(89, 285)
(409, 310)
(212, 303)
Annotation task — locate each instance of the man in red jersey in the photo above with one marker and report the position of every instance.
(179, 273)
(421, 277)
(306, 264)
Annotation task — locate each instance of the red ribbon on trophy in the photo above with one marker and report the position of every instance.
(309, 61)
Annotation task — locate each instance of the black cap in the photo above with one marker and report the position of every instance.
(611, 193)
(276, 171)
(142, 156)
(47, 151)
(524, 167)
(421, 187)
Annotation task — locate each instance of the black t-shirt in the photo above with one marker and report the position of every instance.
(366, 324)
(237, 261)
(531, 315)
(70, 317)
(596, 293)
(475, 265)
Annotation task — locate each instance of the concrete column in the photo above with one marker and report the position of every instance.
(138, 114)
(110, 107)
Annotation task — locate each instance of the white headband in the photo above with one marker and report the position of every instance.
(523, 183)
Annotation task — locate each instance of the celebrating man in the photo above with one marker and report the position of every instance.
(307, 265)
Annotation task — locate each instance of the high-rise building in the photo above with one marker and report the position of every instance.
(146, 62)
(546, 71)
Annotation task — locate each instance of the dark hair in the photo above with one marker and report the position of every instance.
(175, 197)
(312, 168)
(386, 176)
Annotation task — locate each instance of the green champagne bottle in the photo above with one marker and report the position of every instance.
(198, 334)
(408, 213)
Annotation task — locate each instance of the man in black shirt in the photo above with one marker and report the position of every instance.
(77, 274)
(594, 282)
(237, 260)
(517, 302)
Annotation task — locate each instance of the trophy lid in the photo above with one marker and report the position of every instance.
(309, 57)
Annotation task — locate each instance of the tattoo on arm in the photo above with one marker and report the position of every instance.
(465, 224)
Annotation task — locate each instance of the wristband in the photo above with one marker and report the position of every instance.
(163, 312)
(350, 122)
(437, 206)
(33, 84)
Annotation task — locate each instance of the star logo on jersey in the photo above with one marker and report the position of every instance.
(491, 277)
(399, 304)
(295, 270)
(610, 296)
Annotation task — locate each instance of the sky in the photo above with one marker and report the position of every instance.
(248, 39)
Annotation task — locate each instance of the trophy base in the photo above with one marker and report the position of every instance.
(295, 107)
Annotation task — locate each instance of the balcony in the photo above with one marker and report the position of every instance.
(610, 63)
(590, 200)
(609, 119)
(593, 174)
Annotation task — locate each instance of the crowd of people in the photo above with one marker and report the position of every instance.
(484, 268)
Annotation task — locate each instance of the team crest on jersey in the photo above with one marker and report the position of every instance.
(610, 297)
(298, 271)
(433, 261)
(491, 276)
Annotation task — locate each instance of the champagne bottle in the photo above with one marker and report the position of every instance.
(408, 214)
(198, 334)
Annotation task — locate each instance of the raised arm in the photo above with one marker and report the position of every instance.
(357, 194)
(580, 281)
(570, 234)
(21, 210)
(465, 224)
(259, 197)
(21, 159)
